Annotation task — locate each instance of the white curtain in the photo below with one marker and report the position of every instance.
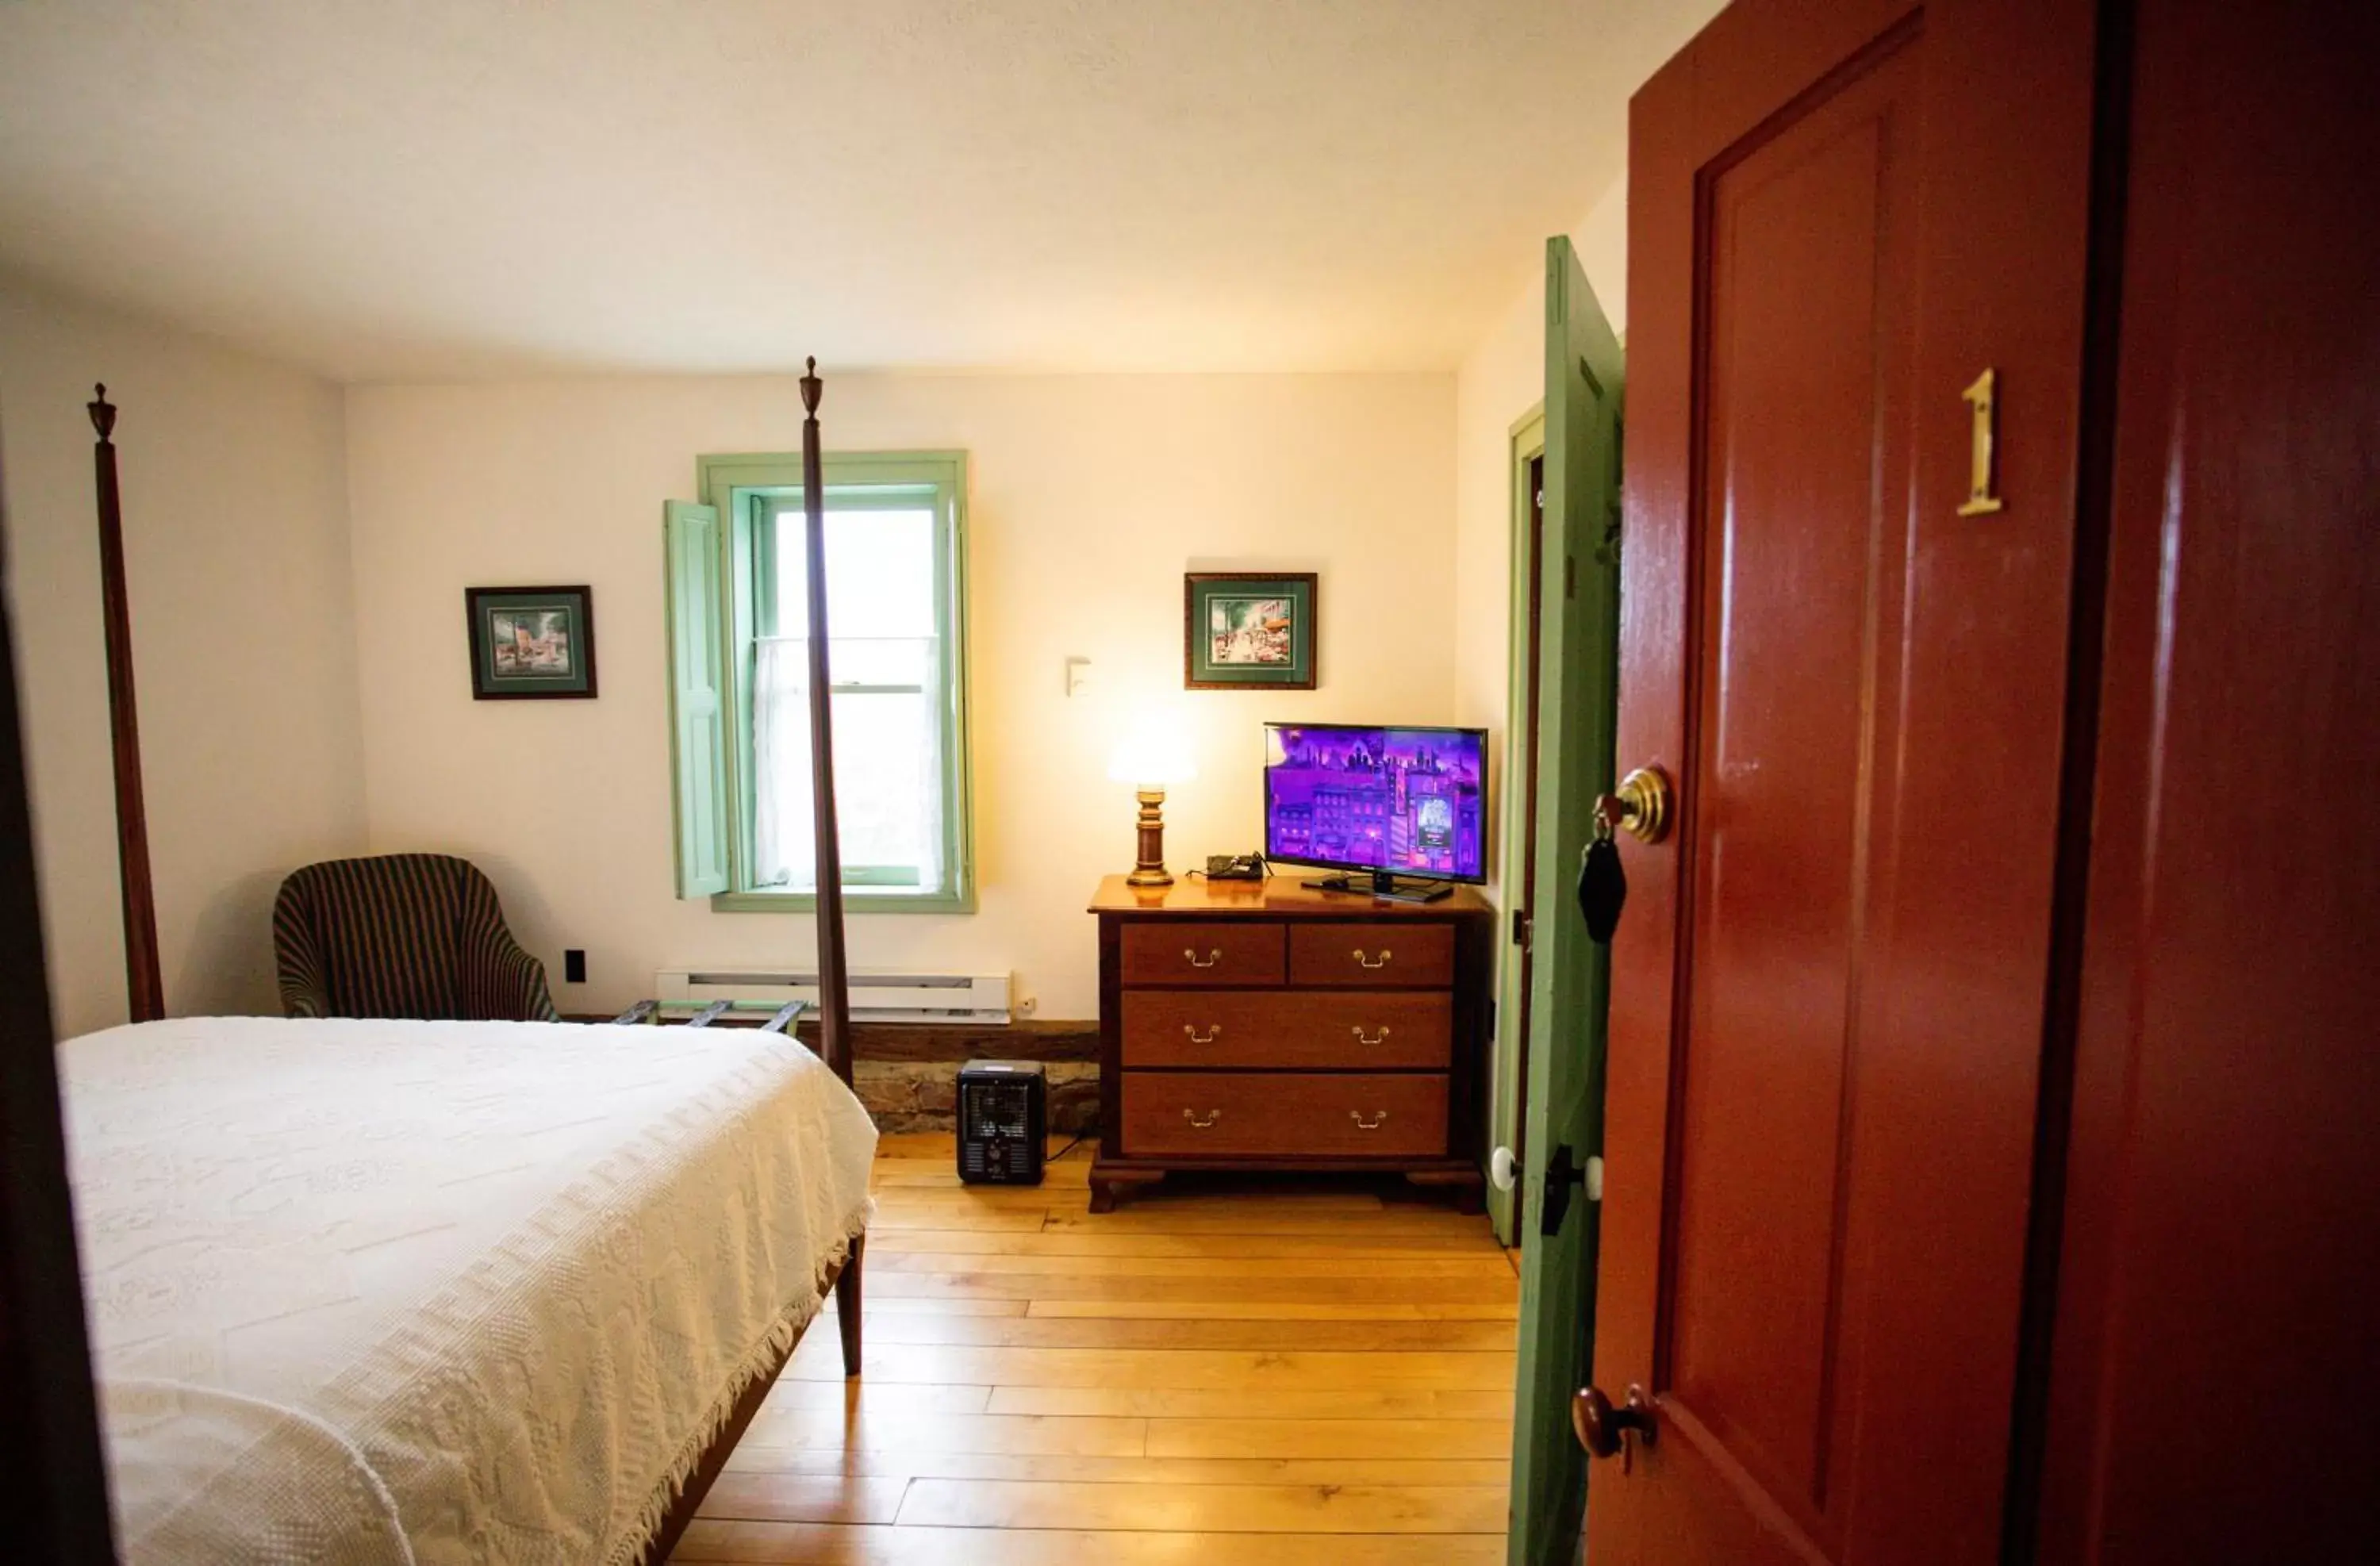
(900, 818)
(784, 833)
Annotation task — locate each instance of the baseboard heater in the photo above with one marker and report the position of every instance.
(877, 994)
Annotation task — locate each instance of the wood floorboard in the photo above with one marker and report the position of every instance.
(1251, 1219)
(1173, 1509)
(1179, 1332)
(1059, 1241)
(854, 1397)
(1249, 1369)
(1329, 1438)
(1490, 1269)
(909, 1464)
(1242, 1203)
(1185, 1403)
(805, 1544)
(1254, 1370)
(889, 1221)
(1348, 1287)
(805, 1497)
(1040, 1435)
(948, 1306)
(1261, 1310)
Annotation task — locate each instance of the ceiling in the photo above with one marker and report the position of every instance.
(457, 189)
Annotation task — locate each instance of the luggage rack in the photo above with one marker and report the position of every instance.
(699, 1014)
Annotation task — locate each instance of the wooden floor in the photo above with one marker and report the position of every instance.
(1317, 1375)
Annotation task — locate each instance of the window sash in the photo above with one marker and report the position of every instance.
(784, 519)
(759, 494)
(865, 873)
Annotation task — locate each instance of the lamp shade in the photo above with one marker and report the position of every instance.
(1151, 755)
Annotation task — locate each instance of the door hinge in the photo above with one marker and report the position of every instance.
(1522, 928)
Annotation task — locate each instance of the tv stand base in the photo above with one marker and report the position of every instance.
(1384, 885)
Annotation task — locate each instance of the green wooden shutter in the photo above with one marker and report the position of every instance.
(697, 697)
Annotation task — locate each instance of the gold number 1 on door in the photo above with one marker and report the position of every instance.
(1982, 403)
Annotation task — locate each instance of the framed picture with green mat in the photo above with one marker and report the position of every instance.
(531, 641)
(1249, 632)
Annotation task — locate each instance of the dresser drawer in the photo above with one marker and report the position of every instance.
(1282, 1114)
(1237, 952)
(1412, 953)
(1346, 1030)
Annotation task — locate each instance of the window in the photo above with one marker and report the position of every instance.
(739, 605)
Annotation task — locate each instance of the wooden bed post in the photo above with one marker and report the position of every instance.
(835, 989)
(835, 993)
(146, 990)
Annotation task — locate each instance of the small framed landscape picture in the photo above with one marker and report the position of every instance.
(531, 642)
(1243, 632)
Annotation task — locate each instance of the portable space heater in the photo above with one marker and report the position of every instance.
(1004, 1111)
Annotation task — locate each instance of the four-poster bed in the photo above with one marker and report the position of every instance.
(432, 1292)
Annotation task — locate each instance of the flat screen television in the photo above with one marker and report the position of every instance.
(1376, 803)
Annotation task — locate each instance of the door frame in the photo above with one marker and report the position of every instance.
(1525, 443)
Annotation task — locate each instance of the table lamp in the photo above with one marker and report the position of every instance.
(1149, 758)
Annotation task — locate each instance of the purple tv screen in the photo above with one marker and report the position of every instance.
(1402, 800)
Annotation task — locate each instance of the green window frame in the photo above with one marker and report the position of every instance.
(723, 586)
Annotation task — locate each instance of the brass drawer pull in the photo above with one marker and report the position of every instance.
(1364, 1037)
(1207, 1124)
(1213, 958)
(1207, 1038)
(1374, 1124)
(1367, 962)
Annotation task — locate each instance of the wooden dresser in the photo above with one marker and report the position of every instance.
(1261, 1026)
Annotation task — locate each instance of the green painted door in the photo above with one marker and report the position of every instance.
(1578, 679)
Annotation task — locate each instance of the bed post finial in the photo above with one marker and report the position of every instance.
(811, 386)
(102, 414)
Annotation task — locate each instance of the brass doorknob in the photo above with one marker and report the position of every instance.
(1641, 808)
(1603, 1429)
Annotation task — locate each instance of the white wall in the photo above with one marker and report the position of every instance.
(1502, 378)
(1090, 497)
(235, 545)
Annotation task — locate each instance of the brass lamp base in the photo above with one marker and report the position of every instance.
(1150, 870)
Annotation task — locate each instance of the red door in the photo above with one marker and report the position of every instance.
(2213, 1373)
(1829, 990)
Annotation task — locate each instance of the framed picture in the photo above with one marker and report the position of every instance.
(1249, 632)
(528, 642)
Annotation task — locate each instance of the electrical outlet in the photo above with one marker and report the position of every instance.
(573, 966)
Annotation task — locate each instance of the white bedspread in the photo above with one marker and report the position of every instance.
(438, 1293)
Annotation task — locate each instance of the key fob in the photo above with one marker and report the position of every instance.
(1602, 889)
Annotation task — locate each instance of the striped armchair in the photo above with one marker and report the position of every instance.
(401, 935)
